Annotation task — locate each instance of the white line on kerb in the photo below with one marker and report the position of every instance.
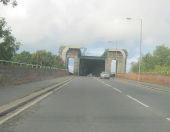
(25, 107)
(137, 101)
(30, 104)
(168, 119)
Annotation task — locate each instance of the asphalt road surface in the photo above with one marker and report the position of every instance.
(10, 93)
(89, 104)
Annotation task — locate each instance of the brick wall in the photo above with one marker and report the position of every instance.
(11, 74)
(156, 79)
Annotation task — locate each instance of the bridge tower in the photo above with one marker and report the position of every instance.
(120, 56)
(71, 52)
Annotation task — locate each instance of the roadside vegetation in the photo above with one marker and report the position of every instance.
(157, 62)
(40, 57)
(9, 47)
(7, 2)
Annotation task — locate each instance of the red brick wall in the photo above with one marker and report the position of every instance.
(157, 79)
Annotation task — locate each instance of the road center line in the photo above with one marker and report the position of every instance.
(113, 87)
(109, 85)
(137, 100)
(117, 90)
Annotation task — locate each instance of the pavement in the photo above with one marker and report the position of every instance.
(90, 104)
(10, 93)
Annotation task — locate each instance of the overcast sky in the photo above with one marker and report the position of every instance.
(48, 24)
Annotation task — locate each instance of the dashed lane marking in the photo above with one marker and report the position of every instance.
(137, 101)
(116, 89)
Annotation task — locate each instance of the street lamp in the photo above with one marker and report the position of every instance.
(140, 45)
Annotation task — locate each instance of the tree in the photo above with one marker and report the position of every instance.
(158, 62)
(40, 57)
(162, 55)
(59, 62)
(135, 67)
(6, 2)
(23, 57)
(8, 43)
(147, 63)
(45, 58)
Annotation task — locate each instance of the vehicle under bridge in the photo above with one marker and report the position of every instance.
(85, 65)
(91, 65)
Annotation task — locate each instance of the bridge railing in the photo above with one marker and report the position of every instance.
(12, 63)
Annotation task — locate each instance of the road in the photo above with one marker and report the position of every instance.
(90, 104)
(10, 93)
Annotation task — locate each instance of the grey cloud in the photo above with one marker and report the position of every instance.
(49, 24)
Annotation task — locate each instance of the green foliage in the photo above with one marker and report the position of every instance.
(147, 62)
(162, 55)
(45, 58)
(8, 43)
(158, 62)
(161, 69)
(9, 46)
(135, 67)
(40, 57)
(6, 2)
(23, 57)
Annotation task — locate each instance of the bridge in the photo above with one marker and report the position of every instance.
(84, 65)
(76, 103)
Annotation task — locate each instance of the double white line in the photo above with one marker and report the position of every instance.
(28, 105)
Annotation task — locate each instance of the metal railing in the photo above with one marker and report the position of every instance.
(30, 65)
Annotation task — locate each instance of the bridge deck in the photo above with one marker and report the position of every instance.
(92, 57)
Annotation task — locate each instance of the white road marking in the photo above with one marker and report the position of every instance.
(137, 101)
(168, 119)
(24, 108)
(109, 86)
(113, 88)
(29, 105)
(62, 86)
(117, 90)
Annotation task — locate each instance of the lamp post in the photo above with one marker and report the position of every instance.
(140, 45)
